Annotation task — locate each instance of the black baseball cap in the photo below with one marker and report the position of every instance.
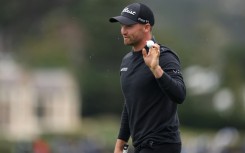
(135, 13)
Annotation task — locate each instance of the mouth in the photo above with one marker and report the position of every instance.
(125, 36)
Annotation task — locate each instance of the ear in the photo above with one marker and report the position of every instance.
(147, 27)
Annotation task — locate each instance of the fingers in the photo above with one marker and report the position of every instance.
(156, 46)
(156, 49)
(144, 52)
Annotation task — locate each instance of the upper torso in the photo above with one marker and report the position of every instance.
(152, 113)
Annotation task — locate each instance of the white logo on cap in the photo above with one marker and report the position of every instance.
(143, 20)
(126, 10)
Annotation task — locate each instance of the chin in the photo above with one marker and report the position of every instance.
(128, 43)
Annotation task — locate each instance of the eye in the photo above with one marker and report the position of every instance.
(126, 26)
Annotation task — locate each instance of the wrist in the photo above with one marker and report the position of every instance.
(119, 145)
(157, 71)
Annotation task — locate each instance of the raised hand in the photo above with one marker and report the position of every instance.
(152, 57)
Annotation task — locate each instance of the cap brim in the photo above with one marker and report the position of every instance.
(123, 20)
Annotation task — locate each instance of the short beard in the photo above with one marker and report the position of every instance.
(130, 43)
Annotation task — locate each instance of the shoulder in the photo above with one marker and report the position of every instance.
(128, 55)
(126, 59)
(168, 53)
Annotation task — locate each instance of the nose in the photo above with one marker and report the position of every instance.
(123, 30)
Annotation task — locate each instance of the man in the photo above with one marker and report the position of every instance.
(152, 86)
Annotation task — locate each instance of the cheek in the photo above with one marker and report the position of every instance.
(138, 34)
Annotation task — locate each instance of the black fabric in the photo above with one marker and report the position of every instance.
(135, 13)
(152, 147)
(150, 109)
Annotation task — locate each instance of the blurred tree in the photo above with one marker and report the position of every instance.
(73, 34)
(103, 53)
(200, 110)
(18, 19)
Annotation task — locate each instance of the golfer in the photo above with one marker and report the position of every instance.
(152, 85)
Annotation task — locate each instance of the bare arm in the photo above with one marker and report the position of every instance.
(119, 146)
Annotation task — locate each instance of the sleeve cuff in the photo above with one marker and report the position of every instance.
(164, 81)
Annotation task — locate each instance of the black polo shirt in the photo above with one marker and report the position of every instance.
(150, 110)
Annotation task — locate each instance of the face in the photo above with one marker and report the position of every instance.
(133, 35)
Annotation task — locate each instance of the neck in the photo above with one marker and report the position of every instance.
(142, 44)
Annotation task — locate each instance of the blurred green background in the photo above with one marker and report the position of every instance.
(208, 36)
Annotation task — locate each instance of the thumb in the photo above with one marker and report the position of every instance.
(144, 52)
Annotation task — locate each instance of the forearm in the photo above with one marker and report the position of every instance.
(157, 71)
(174, 87)
(169, 77)
(119, 146)
(124, 132)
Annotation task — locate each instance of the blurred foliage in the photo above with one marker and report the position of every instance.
(101, 89)
(5, 146)
(77, 35)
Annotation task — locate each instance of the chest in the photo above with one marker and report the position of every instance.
(136, 77)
